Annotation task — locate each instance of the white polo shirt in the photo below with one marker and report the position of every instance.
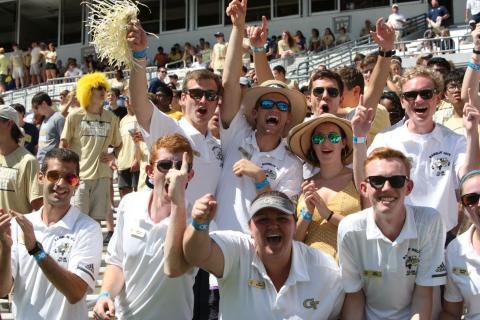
(137, 247)
(436, 158)
(474, 6)
(313, 288)
(387, 271)
(208, 159)
(75, 243)
(234, 194)
(463, 267)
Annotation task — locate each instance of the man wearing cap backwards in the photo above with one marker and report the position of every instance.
(219, 53)
(266, 274)
(89, 131)
(391, 255)
(253, 124)
(50, 258)
(146, 249)
(19, 189)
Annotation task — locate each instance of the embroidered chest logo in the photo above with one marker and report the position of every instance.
(310, 303)
(95, 128)
(8, 178)
(460, 271)
(256, 284)
(440, 162)
(412, 259)
(270, 170)
(62, 246)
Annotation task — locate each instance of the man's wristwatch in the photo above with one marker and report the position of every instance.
(36, 249)
(386, 54)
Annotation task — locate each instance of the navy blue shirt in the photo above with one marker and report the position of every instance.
(30, 140)
(439, 11)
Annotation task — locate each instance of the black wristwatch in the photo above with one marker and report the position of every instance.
(386, 54)
(36, 249)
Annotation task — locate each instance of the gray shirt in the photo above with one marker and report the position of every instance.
(50, 132)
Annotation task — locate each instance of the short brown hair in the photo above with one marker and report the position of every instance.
(421, 71)
(326, 74)
(175, 143)
(387, 153)
(202, 74)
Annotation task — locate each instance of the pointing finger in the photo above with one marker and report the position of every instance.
(184, 168)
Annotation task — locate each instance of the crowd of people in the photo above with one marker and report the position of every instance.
(242, 195)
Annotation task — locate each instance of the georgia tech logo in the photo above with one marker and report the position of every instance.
(310, 303)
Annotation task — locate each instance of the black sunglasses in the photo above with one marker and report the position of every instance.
(426, 94)
(378, 182)
(165, 165)
(332, 92)
(198, 94)
(100, 88)
(470, 199)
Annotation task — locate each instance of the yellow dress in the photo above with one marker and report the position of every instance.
(322, 234)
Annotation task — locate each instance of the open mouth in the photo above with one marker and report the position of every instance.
(325, 108)
(272, 120)
(386, 200)
(274, 239)
(327, 151)
(202, 110)
(420, 110)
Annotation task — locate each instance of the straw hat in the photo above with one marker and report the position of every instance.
(298, 104)
(300, 138)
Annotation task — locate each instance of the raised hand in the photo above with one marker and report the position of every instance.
(104, 309)
(136, 36)
(5, 230)
(177, 180)
(204, 209)
(476, 37)
(471, 114)
(362, 120)
(309, 190)
(384, 35)
(237, 10)
(27, 228)
(248, 168)
(258, 35)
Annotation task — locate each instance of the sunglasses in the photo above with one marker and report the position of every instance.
(378, 182)
(269, 104)
(332, 137)
(165, 165)
(100, 88)
(426, 94)
(332, 92)
(71, 178)
(470, 199)
(198, 94)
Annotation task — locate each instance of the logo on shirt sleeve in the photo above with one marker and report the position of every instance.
(89, 269)
(440, 271)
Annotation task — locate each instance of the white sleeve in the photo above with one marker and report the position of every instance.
(349, 270)
(376, 143)
(460, 156)
(431, 268)
(160, 125)
(232, 245)
(86, 254)
(291, 182)
(115, 246)
(452, 292)
(238, 126)
(14, 227)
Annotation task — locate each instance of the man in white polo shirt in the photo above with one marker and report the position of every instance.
(391, 255)
(145, 251)
(50, 258)
(253, 124)
(265, 275)
(439, 156)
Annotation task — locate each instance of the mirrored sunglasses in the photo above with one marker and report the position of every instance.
(71, 178)
(332, 137)
(269, 104)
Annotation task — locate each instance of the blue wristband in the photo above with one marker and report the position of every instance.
(262, 184)
(260, 49)
(474, 66)
(140, 54)
(40, 256)
(357, 140)
(104, 295)
(200, 226)
(306, 215)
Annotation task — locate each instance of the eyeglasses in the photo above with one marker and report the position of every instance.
(163, 71)
(269, 104)
(332, 137)
(165, 165)
(71, 178)
(426, 94)
(470, 199)
(332, 92)
(454, 86)
(378, 182)
(198, 94)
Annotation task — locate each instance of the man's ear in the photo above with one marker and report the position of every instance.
(40, 177)
(409, 187)
(191, 174)
(149, 168)
(363, 188)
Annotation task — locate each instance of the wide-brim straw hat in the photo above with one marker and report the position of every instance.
(300, 138)
(298, 103)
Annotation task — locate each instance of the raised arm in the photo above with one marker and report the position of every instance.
(175, 263)
(199, 249)
(258, 37)
(472, 75)
(143, 109)
(232, 96)
(471, 119)
(384, 36)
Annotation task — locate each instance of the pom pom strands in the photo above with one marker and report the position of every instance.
(107, 22)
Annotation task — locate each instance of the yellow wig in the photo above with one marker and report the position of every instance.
(87, 83)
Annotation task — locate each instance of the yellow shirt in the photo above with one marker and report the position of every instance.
(177, 115)
(18, 181)
(219, 54)
(4, 62)
(89, 135)
(127, 153)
